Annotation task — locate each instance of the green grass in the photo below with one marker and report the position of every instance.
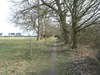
(16, 56)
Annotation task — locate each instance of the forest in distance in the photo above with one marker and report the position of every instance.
(67, 40)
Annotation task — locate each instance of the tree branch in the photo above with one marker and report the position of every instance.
(48, 5)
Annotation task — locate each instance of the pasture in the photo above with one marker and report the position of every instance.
(27, 56)
(21, 55)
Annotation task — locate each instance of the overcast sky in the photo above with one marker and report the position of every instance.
(5, 25)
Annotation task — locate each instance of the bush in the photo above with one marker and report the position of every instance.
(82, 66)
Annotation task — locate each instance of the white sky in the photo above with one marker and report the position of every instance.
(5, 26)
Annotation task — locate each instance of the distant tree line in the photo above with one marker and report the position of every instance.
(14, 34)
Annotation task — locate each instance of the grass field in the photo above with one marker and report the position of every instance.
(25, 55)
(19, 56)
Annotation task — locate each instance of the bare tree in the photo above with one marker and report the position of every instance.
(37, 19)
(59, 8)
(84, 13)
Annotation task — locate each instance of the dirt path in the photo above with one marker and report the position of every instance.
(53, 52)
(53, 70)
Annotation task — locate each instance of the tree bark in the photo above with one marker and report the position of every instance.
(74, 24)
(74, 32)
(74, 39)
(38, 35)
(64, 30)
(38, 32)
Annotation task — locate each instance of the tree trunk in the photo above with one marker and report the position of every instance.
(38, 32)
(74, 24)
(64, 28)
(74, 32)
(38, 35)
(74, 39)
